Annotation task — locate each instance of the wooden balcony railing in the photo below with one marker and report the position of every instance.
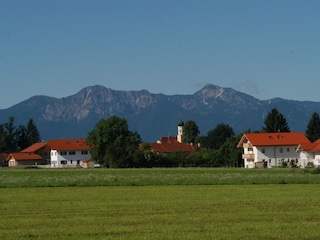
(248, 156)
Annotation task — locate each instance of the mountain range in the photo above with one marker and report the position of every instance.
(154, 115)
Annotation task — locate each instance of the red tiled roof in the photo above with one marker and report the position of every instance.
(311, 147)
(87, 160)
(22, 156)
(168, 139)
(170, 144)
(68, 144)
(34, 147)
(274, 139)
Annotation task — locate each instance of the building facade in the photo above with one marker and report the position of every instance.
(267, 150)
(68, 152)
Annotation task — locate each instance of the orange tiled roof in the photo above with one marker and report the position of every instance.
(22, 156)
(68, 144)
(34, 147)
(274, 139)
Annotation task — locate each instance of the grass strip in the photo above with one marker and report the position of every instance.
(152, 177)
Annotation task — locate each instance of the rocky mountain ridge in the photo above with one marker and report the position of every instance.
(154, 115)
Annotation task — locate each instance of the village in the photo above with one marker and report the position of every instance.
(260, 150)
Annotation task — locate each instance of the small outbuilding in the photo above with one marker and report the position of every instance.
(88, 163)
(23, 159)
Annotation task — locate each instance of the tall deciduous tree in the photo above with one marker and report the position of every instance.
(217, 136)
(190, 131)
(313, 128)
(230, 155)
(112, 143)
(275, 122)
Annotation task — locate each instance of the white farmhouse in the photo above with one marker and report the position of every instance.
(310, 153)
(68, 152)
(266, 150)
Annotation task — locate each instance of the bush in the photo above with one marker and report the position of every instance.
(315, 171)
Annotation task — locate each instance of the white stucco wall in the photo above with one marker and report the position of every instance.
(61, 159)
(316, 160)
(273, 155)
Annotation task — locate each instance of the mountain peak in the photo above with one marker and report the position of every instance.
(153, 115)
(210, 91)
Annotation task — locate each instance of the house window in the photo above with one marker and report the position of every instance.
(63, 153)
(288, 149)
(263, 150)
(63, 162)
(281, 150)
(72, 153)
(84, 152)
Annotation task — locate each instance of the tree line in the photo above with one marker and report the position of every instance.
(114, 145)
(15, 139)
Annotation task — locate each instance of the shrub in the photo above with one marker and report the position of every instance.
(315, 171)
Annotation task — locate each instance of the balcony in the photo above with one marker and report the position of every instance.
(248, 156)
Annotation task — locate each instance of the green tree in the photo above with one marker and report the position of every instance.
(230, 155)
(190, 131)
(14, 139)
(178, 158)
(33, 135)
(22, 139)
(8, 136)
(313, 128)
(217, 136)
(275, 122)
(112, 143)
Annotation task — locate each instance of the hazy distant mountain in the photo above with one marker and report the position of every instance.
(154, 115)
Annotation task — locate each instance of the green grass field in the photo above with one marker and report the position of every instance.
(159, 204)
(153, 177)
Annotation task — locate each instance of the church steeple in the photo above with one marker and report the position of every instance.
(180, 131)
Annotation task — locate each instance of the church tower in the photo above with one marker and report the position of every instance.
(180, 131)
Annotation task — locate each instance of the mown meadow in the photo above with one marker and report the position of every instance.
(159, 204)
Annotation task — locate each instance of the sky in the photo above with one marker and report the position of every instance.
(265, 48)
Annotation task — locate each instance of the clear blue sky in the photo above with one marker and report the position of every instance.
(263, 48)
